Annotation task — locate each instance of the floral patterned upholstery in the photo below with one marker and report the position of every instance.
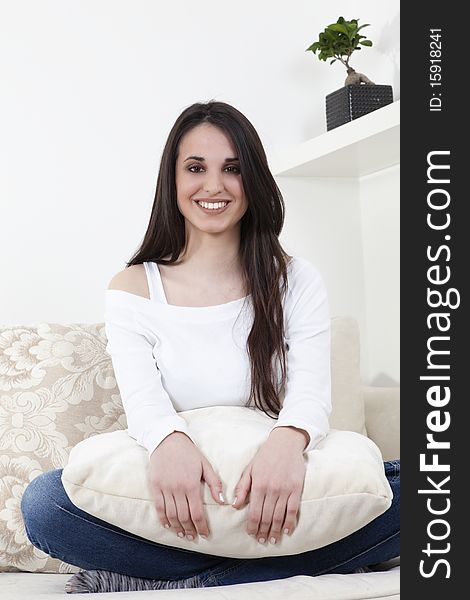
(57, 387)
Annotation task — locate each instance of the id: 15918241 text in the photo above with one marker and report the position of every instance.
(435, 70)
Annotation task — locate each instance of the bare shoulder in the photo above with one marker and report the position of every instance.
(132, 279)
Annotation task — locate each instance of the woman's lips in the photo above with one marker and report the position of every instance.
(215, 211)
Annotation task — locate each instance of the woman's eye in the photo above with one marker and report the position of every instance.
(237, 170)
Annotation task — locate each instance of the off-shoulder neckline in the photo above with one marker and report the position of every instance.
(150, 302)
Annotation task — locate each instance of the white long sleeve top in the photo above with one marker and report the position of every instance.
(169, 358)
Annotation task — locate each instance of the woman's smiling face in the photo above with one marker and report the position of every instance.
(207, 169)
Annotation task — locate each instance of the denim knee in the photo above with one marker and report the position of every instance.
(38, 507)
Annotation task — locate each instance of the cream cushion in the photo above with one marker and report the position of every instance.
(344, 489)
(57, 388)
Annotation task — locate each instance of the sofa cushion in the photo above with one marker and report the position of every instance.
(382, 409)
(346, 388)
(345, 486)
(57, 388)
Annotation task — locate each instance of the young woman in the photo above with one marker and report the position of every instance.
(211, 310)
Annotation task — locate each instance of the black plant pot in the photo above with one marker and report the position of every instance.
(353, 101)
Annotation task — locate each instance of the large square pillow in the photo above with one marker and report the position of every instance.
(345, 485)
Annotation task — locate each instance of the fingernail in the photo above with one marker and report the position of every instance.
(235, 501)
(189, 536)
(221, 497)
(286, 530)
(273, 540)
(180, 534)
(203, 536)
(167, 526)
(261, 540)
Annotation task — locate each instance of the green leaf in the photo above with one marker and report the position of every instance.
(313, 47)
(329, 35)
(339, 40)
(338, 27)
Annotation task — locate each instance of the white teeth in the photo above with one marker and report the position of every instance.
(212, 205)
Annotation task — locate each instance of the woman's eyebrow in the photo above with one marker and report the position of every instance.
(202, 159)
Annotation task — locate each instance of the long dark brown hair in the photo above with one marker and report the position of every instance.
(263, 260)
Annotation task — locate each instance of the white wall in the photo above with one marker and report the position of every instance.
(350, 230)
(90, 90)
(380, 217)
(325, 227)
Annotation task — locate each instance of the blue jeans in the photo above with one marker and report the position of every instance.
(61, 530)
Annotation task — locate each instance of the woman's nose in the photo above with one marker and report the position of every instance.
(213, 184)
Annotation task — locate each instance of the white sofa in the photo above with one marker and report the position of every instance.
(58, 387)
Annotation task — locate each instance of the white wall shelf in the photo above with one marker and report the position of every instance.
(360, 147)
(348, 225)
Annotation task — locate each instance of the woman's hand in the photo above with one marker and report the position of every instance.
(176, 468)
(275, 477)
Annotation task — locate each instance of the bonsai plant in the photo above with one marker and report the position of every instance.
(337, 42)
(342, 39)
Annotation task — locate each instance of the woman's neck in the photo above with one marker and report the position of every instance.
(211, 261)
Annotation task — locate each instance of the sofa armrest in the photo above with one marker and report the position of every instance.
(382, 411)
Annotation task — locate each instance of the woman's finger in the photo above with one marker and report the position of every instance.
(184, 516)
(242, 489)
(292, 509)
(196, 509)
(159, 503)
(255, 510)
(267, 513)
(278, 519)
(172, 513)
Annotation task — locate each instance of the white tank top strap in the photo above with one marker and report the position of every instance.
(156, 290)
